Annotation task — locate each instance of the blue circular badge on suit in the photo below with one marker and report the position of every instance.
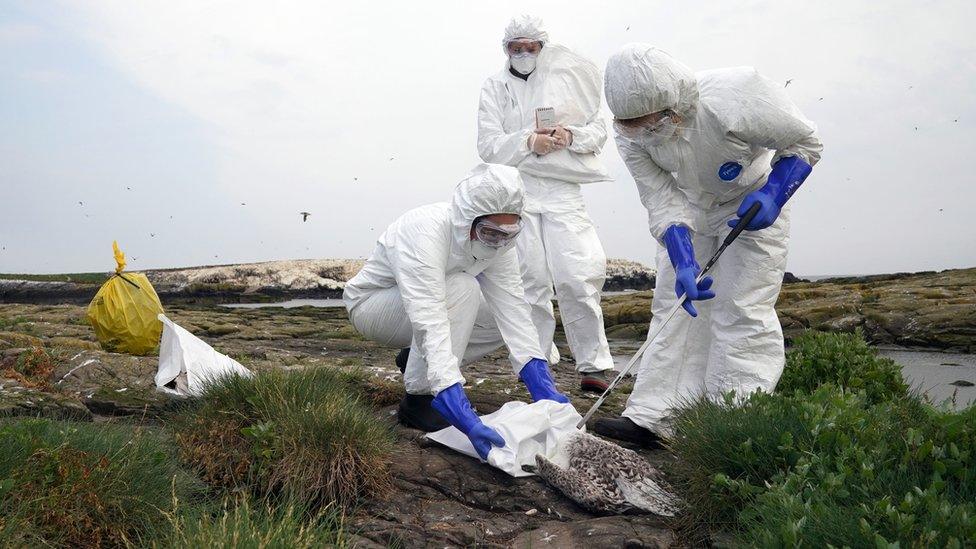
(729, 171)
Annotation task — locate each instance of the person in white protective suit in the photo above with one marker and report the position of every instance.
(444, 280)
(555, 149)
(703, 148)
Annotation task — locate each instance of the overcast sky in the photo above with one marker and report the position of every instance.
(194, 132)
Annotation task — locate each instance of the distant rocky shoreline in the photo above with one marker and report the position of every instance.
(927, 309)
(267, 281)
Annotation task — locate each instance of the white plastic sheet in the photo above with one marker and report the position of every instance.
(186, 362)
(528, 429)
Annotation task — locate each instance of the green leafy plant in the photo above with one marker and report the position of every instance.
(844, 360)
(827, 468)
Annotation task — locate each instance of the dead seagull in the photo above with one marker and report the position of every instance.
(605, 478)
(304, 215)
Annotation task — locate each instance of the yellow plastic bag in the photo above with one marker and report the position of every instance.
(123, 312)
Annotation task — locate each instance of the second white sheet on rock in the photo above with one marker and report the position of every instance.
(528, 429)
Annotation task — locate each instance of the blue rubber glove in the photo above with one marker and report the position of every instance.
(787, 176)
(537, 378)
(677, 239)
(453, 405)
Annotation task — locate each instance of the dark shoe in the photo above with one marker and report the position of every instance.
(624, 429)
(415, 411)
(401, 359)
(594, 382)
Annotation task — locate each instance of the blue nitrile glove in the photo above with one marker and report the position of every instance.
(787, 176)
(677, 239)
(537, 378)
(453, 404)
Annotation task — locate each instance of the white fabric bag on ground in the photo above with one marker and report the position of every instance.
(186, 362)
(528, 429)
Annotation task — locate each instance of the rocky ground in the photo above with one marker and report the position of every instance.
(50, 365)
(441, 497)
(935, 310)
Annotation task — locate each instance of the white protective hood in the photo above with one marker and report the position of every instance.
(485, 190)
(642, 79)
(524, 26)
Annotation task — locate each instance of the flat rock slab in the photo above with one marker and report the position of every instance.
(19, 401)
(442, 498)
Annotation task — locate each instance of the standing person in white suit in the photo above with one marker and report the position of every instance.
(703, 148)
(444, 280)
(541, 114)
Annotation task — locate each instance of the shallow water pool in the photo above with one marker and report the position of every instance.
(291, 303)
(940, 376)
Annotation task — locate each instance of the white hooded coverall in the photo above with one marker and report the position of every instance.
(734, 125)
(558, 244)
(423, 288)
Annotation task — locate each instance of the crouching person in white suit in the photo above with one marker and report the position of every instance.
(444, 280)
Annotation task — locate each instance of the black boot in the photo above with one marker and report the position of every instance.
(415, 411)
(594, 382)
(401, 359)
(624, 429)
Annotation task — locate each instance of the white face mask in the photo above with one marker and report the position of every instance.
(482, 251)
(659, 134)
(524, 63)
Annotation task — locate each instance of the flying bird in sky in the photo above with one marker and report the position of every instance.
(788, 82)
(305, 216)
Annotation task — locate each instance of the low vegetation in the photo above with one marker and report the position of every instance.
(69, 484)
(842, 456)
(844, 360)
(241, 523)
(308, 435)
(274, 460)
(78, 278)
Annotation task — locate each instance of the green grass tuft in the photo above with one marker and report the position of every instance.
(307, 435)
(240, 523)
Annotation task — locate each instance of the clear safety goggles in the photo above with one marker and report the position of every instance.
(523, 45)
(494, 235)
(644, 125)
